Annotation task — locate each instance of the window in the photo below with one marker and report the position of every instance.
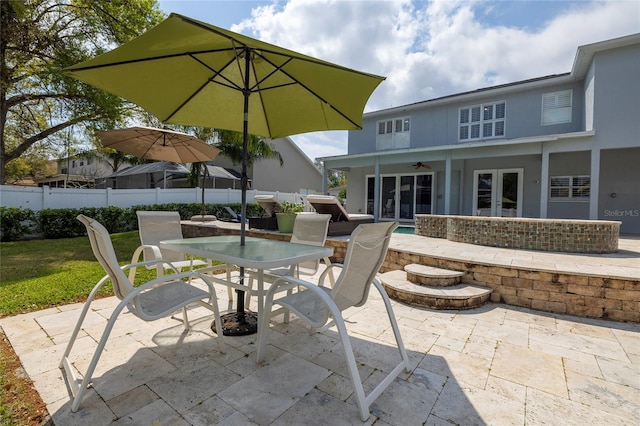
(393, 133)
(482, 121)
(556, 107)
(570, 187)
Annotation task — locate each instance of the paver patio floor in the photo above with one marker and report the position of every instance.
(495, 365)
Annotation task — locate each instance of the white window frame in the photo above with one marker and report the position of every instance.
(393, 133)
(474, 120)
(572, 188)
(557, 107)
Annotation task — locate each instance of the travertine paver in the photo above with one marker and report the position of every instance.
(268, 393)
(497, 364)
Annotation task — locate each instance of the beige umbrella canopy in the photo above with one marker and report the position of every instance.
(150, 143)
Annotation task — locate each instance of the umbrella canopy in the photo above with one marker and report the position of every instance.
(189, 72)
(150, 143)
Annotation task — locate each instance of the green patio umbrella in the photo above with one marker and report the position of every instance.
(191, 73)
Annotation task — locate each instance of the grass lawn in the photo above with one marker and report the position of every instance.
(39, 274)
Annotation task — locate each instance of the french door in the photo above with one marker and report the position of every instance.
(402, 196)
(497, 192)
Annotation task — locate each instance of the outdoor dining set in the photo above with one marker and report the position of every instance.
(186, 275)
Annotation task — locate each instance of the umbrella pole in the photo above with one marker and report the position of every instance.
(205, 172)
(241, 323)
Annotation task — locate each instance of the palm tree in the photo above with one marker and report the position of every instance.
(230, 145)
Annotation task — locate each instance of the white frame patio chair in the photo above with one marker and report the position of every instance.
(150, 301)
(156, 226)
(308, 228)
(316, 304)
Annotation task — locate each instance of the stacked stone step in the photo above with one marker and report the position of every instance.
(434, 288)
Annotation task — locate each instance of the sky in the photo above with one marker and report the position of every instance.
(425, 49)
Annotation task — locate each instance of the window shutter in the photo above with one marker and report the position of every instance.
(556, 107)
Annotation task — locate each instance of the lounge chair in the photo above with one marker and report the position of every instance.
(342, 223)
(271, 206)
(235, 217)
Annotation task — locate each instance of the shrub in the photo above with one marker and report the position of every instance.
(15, 223)
(60, 223)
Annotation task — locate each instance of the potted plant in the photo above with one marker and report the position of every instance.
(287, 215)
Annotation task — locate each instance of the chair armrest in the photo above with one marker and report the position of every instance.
(135, 259)
(166, 279)
(150, 263)
(329, 271)
(320, 292)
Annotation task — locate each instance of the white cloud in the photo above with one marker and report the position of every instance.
(432, 49)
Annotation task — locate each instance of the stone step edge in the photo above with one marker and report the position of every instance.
(396, 281)
(431, 271)
(432, 276)
(414, 294)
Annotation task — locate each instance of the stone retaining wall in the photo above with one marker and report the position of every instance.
(558, 235)
(562, 293)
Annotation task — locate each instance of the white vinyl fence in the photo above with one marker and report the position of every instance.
(40, 198)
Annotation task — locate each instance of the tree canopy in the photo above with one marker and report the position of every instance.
(41, 110)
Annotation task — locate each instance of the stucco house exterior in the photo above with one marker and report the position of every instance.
(298, 174)
(560, 146)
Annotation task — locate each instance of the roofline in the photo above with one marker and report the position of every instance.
(585, 53)
(584, 57)
(296, 147)
(494, 90)
(466, 145)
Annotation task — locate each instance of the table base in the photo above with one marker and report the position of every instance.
(233, 326)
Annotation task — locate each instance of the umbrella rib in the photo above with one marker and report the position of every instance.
(217, 73)
(279, 68)
(150, 58)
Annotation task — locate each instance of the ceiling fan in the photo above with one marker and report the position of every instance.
(421, 164)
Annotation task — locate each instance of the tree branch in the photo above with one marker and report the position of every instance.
(26, 97)
(27, 143)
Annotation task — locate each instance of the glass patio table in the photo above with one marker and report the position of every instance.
(257, 253)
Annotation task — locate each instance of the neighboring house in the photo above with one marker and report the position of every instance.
(560, 146)
(298, 174)
(79, 171)
(160, 174)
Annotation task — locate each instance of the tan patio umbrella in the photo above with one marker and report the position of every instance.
(149, 143)
(192, 73)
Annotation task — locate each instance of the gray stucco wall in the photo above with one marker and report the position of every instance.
(438, 125)
(297, 173)
(617, 97)
(617, 124)
(620, 188)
